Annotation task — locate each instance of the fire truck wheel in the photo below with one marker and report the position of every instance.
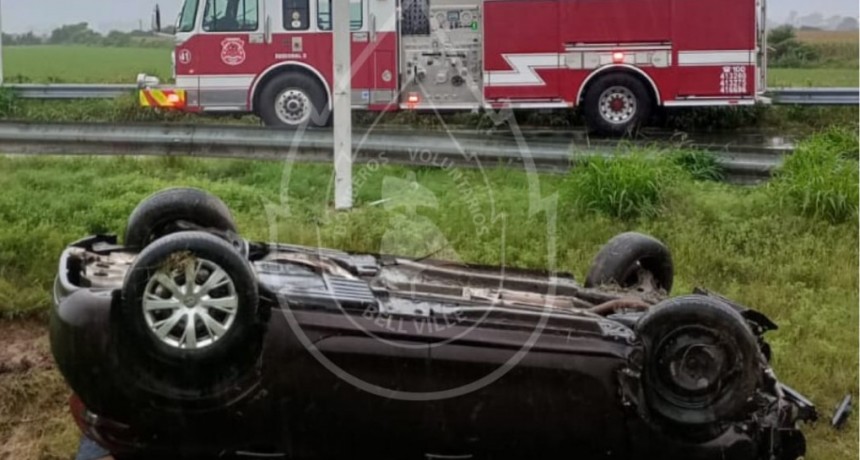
(616, 104)
(291, 100)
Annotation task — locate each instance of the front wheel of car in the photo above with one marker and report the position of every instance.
(188, 324)
(702, 364)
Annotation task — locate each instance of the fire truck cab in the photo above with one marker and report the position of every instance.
(618, 60)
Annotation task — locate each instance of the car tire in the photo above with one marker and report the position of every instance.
(626, 258)
(616, 104)
(188, 343)
(702, 362)
(293, 100)
(177, 209)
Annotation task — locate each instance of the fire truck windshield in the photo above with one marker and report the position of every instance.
(187, 16)
(230, 15)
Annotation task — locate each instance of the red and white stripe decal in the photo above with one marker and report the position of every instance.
(524, 70)
(524, 66)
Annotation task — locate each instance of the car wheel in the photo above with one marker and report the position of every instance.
(293, 100)
(702, 361)
(188, 323)
(633, 260)
(174, 210)
(616, 104)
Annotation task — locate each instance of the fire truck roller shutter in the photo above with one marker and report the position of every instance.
(617, 101)
(291, 96)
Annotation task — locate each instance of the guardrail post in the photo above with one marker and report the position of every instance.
(342, 106)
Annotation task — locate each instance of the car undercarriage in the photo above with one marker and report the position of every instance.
(189, 341)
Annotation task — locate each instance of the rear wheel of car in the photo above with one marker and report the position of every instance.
(616, 104)
(702, 361)
(634, 261)
(178, 209)
(293, 100)
(188, 326)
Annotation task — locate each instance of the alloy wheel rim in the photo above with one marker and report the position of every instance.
(190, 305)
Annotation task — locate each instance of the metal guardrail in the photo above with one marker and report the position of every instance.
(816, 96)
(439, 149)
(69, 91)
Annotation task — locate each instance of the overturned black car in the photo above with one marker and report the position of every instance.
(188, 341)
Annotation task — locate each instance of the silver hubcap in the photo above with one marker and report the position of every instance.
(617, 105)
(293, 106)
(190, 305)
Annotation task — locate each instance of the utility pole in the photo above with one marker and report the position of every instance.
(1, 42)
(342, 104)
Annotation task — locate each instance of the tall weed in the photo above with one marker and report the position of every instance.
(821, 178)
(623, 186)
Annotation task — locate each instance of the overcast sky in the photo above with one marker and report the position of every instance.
(43, 15)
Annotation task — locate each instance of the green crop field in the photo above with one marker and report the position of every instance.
(846, 78)
(788, 248)
(83, 64)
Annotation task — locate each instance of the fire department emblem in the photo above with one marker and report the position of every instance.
(233, 51)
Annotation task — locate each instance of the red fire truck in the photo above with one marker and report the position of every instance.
(616, 59)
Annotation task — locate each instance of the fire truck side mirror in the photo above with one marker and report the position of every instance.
(156, 19)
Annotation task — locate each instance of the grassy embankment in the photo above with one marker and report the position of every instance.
(788, 248)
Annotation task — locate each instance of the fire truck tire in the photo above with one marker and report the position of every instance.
(616, 104)
(292, 100)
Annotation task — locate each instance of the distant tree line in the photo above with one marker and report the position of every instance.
(81, 34)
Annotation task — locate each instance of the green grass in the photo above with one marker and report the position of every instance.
(820, 179)
(800, 268)
(83, 64)
(778, 78)
(635, 184)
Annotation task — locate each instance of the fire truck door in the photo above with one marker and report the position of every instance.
(382, 27)
(231, 48)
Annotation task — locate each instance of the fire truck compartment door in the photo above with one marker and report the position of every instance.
(522, 50)
(441, 52)
(713, 58)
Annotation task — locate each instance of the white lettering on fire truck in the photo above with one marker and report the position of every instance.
(291, 56)
(233, 51)
(184, 56)
(733, 80)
